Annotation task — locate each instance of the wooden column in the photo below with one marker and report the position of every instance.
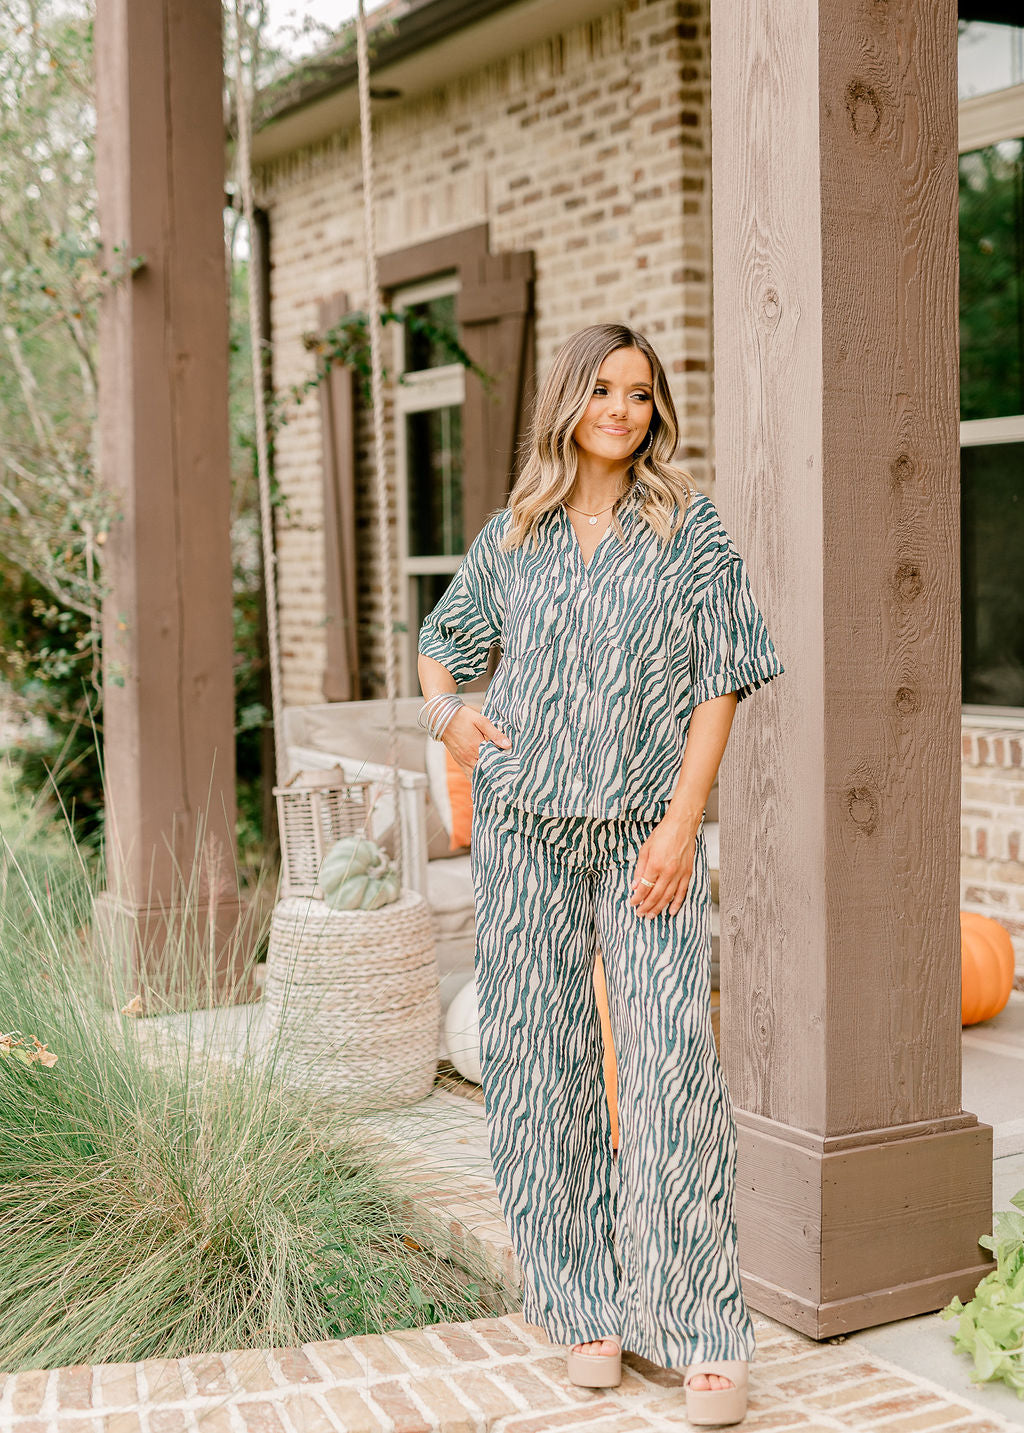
(862, 1184)
(163, 445)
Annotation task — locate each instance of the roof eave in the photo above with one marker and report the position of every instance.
(427, 46)
(421, 23)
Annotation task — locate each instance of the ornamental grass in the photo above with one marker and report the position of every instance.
(157, 1200)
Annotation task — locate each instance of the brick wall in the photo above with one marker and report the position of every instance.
(593, 150)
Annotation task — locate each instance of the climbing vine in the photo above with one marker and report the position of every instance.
(347, 342)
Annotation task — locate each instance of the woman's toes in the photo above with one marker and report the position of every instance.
(702, 1381)
(600, 1345)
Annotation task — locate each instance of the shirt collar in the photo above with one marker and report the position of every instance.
(628, 511)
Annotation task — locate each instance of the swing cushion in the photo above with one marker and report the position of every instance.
(358, 731)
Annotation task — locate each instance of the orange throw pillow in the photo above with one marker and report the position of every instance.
(460, 796)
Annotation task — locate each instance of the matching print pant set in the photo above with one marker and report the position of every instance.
(602, 665)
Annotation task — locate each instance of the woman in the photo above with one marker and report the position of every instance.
(629, 633)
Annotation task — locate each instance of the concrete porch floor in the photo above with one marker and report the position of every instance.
(439, 1147)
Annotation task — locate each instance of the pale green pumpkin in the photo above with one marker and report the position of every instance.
(357, 875)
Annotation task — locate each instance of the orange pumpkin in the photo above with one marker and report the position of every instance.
(601, 992)
(986, 967)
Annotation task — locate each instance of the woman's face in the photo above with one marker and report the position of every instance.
(620, 409)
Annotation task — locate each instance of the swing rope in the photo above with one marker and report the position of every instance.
(377, 400)
(244, 112)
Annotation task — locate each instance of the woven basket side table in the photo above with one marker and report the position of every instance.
(354, 997)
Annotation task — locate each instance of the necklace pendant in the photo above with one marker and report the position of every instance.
(592, 521)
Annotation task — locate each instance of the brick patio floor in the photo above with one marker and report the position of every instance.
(495, 1374)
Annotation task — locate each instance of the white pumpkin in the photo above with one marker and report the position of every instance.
(462, 1032)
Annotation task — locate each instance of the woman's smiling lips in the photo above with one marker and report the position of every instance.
(617, 432)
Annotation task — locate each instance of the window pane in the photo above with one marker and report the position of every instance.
(427, 349)
(989, 57)
(428, 588)
(992, 540)
(992, 280)
(433, 445)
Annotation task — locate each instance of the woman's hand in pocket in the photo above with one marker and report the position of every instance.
(464, 734)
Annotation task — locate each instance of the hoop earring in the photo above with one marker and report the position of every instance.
(646, 445)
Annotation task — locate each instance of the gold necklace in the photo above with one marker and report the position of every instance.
(593, 517)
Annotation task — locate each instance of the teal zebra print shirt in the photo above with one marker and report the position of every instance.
(603, 662)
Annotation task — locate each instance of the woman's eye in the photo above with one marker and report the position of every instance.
(636, 397)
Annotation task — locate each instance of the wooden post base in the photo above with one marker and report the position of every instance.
(846, 1232)
(172, 957)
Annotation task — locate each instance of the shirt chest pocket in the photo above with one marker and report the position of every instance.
(641, 622)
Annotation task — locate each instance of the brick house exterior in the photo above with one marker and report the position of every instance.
(589, 148)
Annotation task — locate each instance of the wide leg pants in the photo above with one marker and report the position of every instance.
(646, 1251)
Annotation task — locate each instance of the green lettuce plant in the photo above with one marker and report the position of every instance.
(991, 1327)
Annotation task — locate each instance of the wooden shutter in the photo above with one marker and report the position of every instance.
(337, 424)
(495, 313)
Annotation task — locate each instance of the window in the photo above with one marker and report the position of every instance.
(456, 435)
(429, 403)
(989, 57)
(992, 281)
(992, 364)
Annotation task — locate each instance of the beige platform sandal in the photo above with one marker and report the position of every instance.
(596, 1370)
(717, 1405)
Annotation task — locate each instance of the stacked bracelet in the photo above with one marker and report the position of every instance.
(435, 714)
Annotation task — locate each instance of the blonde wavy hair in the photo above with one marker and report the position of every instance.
(549, 462)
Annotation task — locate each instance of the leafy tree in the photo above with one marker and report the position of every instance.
(54, 516)
(54, 519)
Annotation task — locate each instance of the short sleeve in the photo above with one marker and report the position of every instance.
(731, 648)
(463, 626)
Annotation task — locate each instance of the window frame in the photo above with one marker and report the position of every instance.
(419, 391)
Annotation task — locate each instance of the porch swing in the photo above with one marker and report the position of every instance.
(353, 993)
